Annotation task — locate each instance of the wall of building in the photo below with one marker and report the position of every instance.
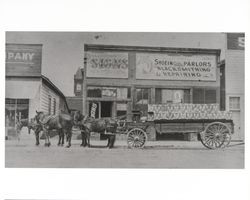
(44, 100)
(134, 82)
(235, 77)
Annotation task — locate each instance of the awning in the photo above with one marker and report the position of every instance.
(21, 89)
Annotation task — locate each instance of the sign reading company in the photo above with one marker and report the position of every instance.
(176, 67)
(23, 59)
(107, 65)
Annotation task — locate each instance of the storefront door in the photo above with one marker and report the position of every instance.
(106, 108)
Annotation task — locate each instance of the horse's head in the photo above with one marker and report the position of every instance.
(39, 116)
(78, 116)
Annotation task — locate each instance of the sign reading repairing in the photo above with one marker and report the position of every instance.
(107, 64)
(176, 67)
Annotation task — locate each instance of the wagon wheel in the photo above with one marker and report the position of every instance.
(216, 135)
(136, 138)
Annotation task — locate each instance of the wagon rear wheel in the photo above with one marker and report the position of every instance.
(136, 138)
(216, 135)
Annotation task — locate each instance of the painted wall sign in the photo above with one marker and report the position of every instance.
(236, 41)
(107, 65)
(176, 67)
(23, 59)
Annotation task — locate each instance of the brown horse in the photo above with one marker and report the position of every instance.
(102, 126)
(63, 123)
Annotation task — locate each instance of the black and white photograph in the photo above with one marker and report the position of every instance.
(124, 100)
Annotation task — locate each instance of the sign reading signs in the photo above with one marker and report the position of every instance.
(176, 67)
(107, 65)
(236, 41)
(23, 59)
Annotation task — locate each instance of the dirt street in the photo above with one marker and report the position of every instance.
(157, 154)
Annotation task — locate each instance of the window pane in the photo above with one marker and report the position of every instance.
(94, 92)
(122, 93)
(210, 96)
(187, 98)
(158, 96)
(234, 103)
(198, 96)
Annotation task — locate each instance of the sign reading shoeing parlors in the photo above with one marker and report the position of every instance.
(107, 65)
(176, 67)
(23, 59)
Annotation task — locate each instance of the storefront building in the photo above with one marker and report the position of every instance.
(234, 78)
(27, 90)
(120, 79)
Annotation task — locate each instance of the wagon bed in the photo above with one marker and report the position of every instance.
(214, 133)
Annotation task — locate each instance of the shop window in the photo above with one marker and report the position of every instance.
(204, 96)
(142, 99)
(94, 92)
(54, 106)
(122, 93)
(49, 104)
(121, 109)
(172, 96)
(142, 96)
(15, 109)
(234, 103)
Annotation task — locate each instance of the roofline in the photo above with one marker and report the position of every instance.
(88, 47)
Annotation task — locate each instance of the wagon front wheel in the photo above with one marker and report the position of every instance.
(215, 135)
(136, 138)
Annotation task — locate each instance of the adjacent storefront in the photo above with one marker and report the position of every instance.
(26, 89)
(120, 79)
(234, 78)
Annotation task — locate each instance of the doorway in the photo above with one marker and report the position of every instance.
(106, 108)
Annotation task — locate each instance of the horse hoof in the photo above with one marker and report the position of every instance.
(68, 146)
(48, 144)
(37, 144)
(62, 145)
(45, 144)
(58, 144)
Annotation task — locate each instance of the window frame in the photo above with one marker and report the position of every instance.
(234, 109)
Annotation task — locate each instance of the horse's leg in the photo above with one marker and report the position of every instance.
(88, 138)
(112, 141)
(60, 137)
(37, 137)
(47, 142)
(45, 135)
(69, 134)
(109, 141)
(83, 139)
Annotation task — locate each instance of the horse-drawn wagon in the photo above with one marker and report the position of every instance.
(213, 127)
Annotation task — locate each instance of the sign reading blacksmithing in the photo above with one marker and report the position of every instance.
(176, 67)
(107, 65)
(23, 59)
(236, 41)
